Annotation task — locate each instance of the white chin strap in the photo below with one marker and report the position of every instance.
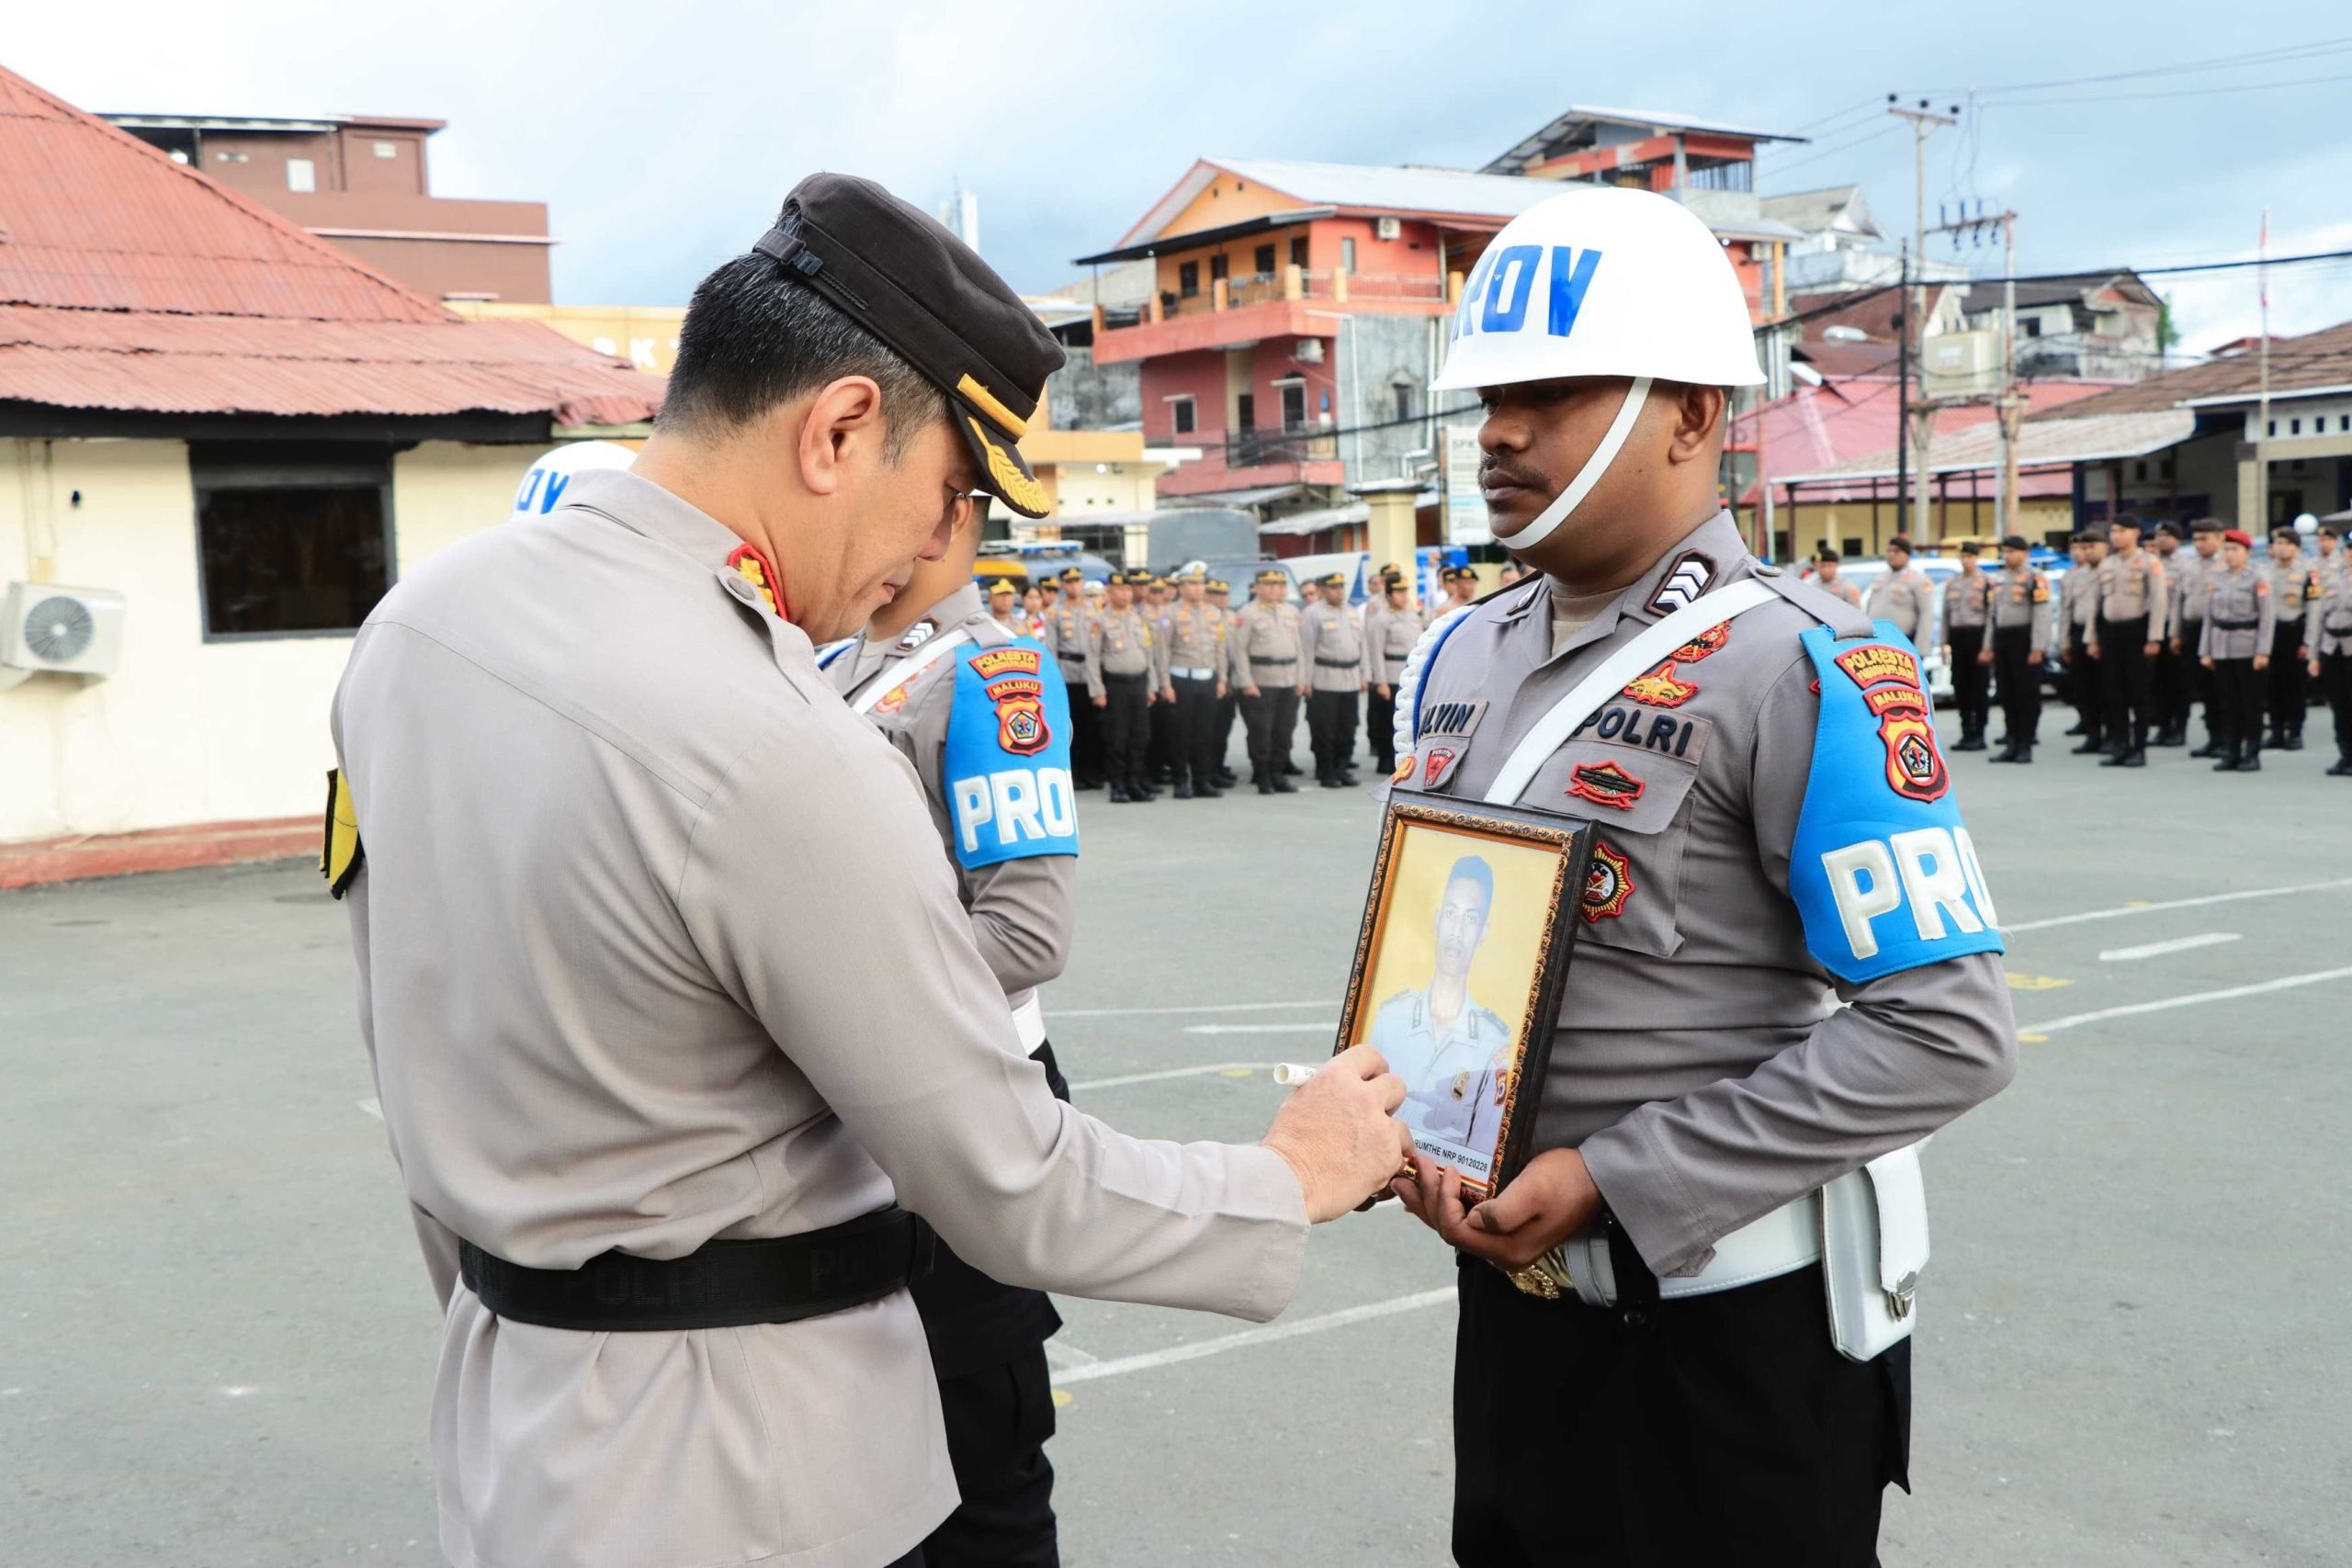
(1552, 517)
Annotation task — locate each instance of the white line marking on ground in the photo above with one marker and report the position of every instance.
(2285, 982)
(2174, 904)
(1247, 1337)
(1323, 1028)
(1061, 1355)
(1167, 1072)
(372, 1108)
(1162, 1012)
(2158, 949)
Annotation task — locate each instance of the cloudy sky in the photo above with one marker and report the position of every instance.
(662, 137)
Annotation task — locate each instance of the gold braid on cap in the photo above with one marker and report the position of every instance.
(1011, 483)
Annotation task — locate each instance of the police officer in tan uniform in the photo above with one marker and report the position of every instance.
(1228, 702)
(1332, 647)
(1122, 662)
(2168, 671)
(1902, 593)
(1389, 642)
(2241, 622)
(669, 996)
(1647, 1374)
(1191, 678)
(2328, 634)
(1967, 596)
(1263, 654)
(2292, 585)
(1068, 624)
(2124, 640)
(1826, 578)
(2019, 600)
(956, 691)
(2191, 572)
(2079, 592)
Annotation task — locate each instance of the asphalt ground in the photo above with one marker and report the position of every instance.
(218, 1342)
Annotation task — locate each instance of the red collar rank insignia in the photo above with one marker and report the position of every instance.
(1605, 783)
(747, 563)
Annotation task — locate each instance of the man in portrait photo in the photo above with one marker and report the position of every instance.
(1452, 1054)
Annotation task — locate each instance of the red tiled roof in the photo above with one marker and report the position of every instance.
(2323, 358)
(130, 282)
(1819, 427)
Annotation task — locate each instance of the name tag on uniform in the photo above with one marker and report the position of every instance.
(1443, 736)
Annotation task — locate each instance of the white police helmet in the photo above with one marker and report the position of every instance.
(1602, 281)
(545, 482)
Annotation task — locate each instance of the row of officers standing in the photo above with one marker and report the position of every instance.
(2145, 628)
(1168, 666)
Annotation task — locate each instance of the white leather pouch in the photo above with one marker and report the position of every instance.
(1873, 1246)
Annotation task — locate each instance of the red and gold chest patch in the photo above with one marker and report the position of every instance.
(1709, 641)
(1605, 783)
(1660, 689)
(1607, 884)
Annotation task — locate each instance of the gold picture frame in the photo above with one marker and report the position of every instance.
(1481, 901)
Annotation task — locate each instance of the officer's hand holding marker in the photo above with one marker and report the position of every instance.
(1340, 1154)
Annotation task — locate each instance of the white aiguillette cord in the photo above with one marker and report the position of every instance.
(890, 677)
(1653, 647)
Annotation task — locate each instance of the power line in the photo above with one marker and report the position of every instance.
(2170, 94)
(2313, 50)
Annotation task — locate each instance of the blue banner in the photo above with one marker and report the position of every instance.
(1007, 764)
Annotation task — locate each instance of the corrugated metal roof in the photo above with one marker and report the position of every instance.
(1405, 189)
(2067, 438)
(2323, 358)
(130, 282)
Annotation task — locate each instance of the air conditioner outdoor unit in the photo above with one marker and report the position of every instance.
(1309, 351)
(68, 631)
(1387, 228)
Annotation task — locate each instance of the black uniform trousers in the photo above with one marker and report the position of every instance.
(2290, 694)
(2083, 690)
(1126, 731)
(1723, 1428)
(2336, 684)
(2236, 711)
(996, 1398)
(2168, 688)
(1379, 721)
(2197, 689)
(2124, 678)
(1193, 720)
(1085, 731)
(1270, 718)
(2020, 681)
(1228, 711)
(1167, 745)
(1331, 732)
(1969, 680)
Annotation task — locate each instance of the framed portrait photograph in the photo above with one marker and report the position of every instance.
(1458, 971)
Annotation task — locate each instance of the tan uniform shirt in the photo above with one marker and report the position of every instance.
(1120, 642)
(2327, 629)
(1702, 1063)
(1332, 647)
(1024, 911)
(1967, 595)
(1904, 597)
(1265, 646)
(656, 945)
(2241, 613)
(1839, 588)
(1392, 644)
(1066, 627)
(2079, 592)
(1193, 642)
(2020, 599)
(2130, 586)
(2191, 575)
(2291, 590)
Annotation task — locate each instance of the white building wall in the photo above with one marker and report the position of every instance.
(185, 731)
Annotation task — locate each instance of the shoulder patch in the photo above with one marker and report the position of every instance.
(1690, 575)
(1005, 767)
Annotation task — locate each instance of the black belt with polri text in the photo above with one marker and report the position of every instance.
(720, 1285)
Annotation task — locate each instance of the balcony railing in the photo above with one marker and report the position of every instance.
(1299, 283)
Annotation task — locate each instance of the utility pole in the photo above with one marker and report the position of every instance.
(2260, 525)
(2007, 405)
(1924, 124)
